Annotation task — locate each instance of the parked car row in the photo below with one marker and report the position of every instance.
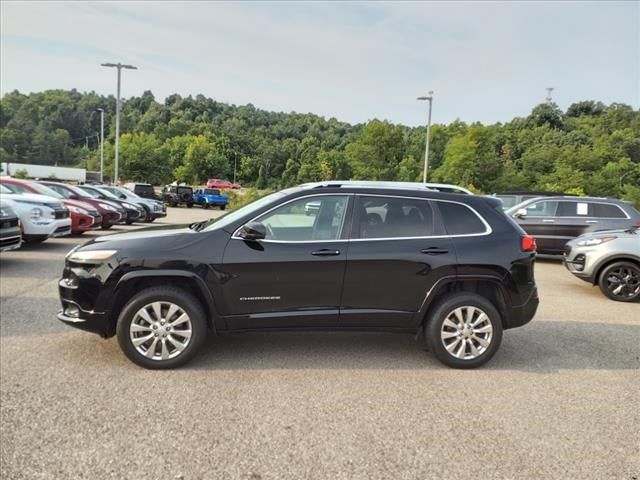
(176, 195)
(599, 238)
(47, 209)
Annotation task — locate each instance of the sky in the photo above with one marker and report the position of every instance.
(484, 61)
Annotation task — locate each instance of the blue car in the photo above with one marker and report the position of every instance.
(210, 197)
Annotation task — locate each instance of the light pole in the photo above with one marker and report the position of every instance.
(101, 143)
(426, 146)
(119, 66)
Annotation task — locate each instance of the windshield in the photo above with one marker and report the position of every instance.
(90, 192)
(210, 191)
(107, 193)
(223, 221)
(42, 190)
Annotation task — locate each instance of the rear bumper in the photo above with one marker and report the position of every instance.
(523, 314)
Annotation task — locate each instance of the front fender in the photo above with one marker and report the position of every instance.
(202, 292)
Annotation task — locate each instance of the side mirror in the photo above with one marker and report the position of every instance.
(253, 231)
(73, 196)
(521, 213)
(122, 196)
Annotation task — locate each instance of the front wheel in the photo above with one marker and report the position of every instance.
(620, 281)
(107, 227)
(189, 205)
(161, 327)
(464, 331)
(205, 205)
(222, 207)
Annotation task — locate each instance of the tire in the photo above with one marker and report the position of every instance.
(438, 334)
(128, 222)
(106, 227)
(150, 219)
(146, 214)
(623, 275)
(205, 205)
(189, 205)
(162, 333)
(222, 207)
(173, 204)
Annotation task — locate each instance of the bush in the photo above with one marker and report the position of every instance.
(239, 198)
(22, 173)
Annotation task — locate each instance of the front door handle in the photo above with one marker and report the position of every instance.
(591, 221)
(434, 251)
(547, 220)
(325, 252)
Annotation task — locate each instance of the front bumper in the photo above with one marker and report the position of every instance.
(10, 238)
(83, 320)
(111, 218)
(580, 262)
(47, 228)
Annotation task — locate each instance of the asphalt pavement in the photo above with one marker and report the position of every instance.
(561, 399)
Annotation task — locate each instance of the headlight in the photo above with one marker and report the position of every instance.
(78, 210)
(590, 242)
(90, 256)
(36, 213)
(107, 207)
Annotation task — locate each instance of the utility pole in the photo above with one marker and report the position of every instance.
(548, 98)
(101, 110)
(429, 99)
(119, 66)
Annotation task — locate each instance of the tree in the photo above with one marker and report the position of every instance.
(376, 152)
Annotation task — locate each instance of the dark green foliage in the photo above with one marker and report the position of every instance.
(591, 148)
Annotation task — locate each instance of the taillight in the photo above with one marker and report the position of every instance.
(528, 243)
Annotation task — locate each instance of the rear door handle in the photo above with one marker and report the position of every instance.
(434, 251)
(546, 220)
(591, 221)
(325, 252)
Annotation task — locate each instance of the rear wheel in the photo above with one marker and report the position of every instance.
(205, 205)
(222, 207)
(464, 331)
(107, 227)
(161, 327)
(620, 281)
(189, 205)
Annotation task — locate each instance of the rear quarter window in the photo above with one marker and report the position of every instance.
(608, 210)
(459, 219)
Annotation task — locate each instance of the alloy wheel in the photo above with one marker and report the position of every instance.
(466, 332)
(623, 282)
(160, 330)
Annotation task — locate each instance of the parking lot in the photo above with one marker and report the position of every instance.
(559, 400)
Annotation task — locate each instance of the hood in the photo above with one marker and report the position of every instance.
(78, 203)
(145, 233)
(32, 198)
(620, 232)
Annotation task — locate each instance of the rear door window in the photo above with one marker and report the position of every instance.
(543, 208)
(575, 209)
(394, 217)
(459, 219)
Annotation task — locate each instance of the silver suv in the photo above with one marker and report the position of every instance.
(609, 258)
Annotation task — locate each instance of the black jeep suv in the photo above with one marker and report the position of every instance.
(177, 194)
(373, 256)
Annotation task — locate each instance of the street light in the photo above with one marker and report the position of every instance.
(119, 66)
(426, 146)
(101, 143)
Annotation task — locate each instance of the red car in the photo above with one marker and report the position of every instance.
(83, 216)
(221, 184)
(111, 213)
